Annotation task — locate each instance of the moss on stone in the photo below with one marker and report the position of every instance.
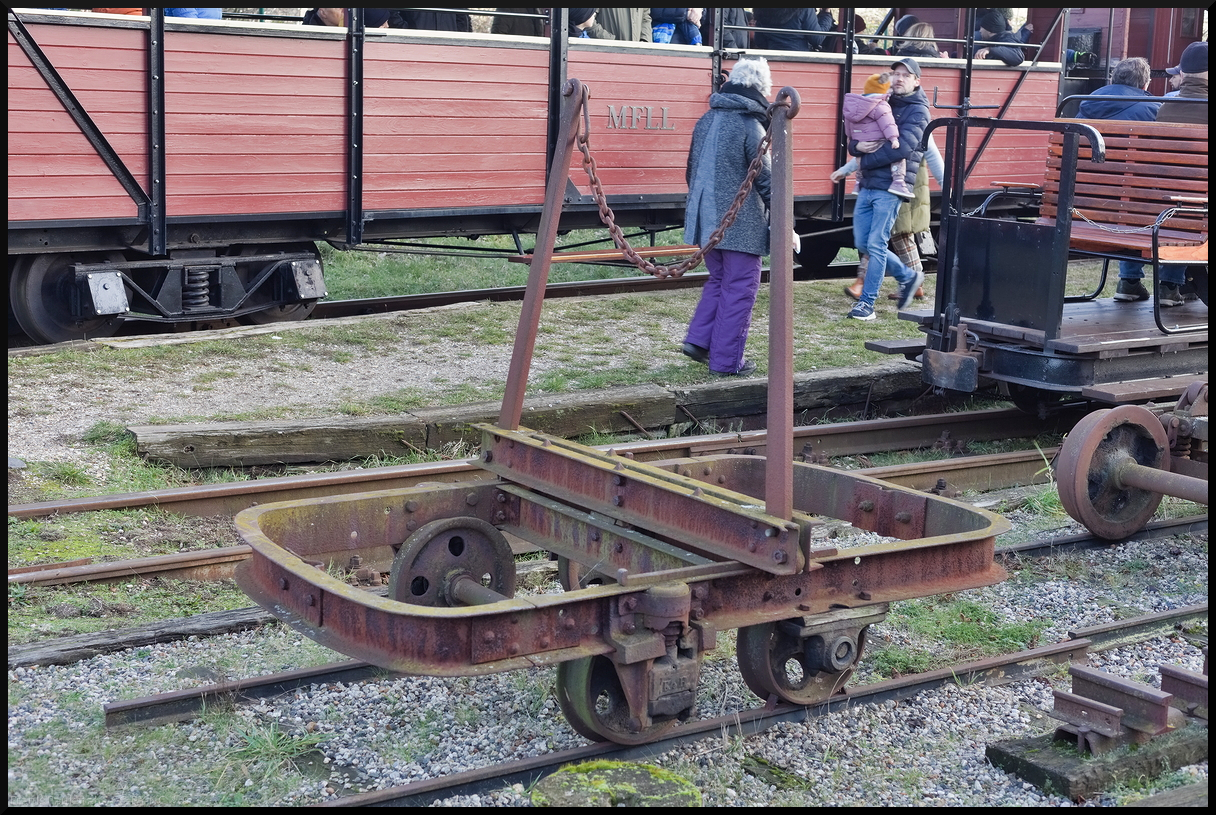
(615, 783)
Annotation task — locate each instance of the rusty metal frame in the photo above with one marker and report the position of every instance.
(682, 555)
(955, 553)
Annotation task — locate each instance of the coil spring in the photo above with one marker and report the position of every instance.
(196, 292)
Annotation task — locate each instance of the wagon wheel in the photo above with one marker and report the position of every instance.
(590, 695)
(1087, 469)
(272, 313)
(802, 671)
(574, 575)
(1037, 401)
(436, 554)
(41, 289)
(816, 255)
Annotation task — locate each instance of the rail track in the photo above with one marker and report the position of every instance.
(993, 671)
(960, 473)
(334, 309)
(948, 431)
(996, 670)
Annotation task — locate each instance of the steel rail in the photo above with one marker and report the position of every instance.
(951, 476)
(990, 472)
(215, 564)
(333, 309)
(997, 670)
(846, 438)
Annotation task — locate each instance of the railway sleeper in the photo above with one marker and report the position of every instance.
(685, 554)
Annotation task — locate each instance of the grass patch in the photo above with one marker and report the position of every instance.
(42, 612)
(63, 473)
(108, 535)
(894, 662)
(450, 264)
(947, 629)
(270, 747)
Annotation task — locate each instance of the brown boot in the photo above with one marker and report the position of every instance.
(853, 290)
(920, 294)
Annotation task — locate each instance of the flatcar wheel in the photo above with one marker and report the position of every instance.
(590, 696)
(574, 575)
(1038, 402)
(438, 552)
(1088, 465)
(816, 255)
(40, 291)
(773, 662)
(290, 312)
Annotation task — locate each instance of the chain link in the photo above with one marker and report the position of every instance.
(1170, 213)
(618, 237)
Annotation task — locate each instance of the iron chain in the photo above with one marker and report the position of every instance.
(618, 237)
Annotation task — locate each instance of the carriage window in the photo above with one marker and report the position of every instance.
(1190, 22)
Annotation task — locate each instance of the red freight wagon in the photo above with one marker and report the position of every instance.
(181, 172)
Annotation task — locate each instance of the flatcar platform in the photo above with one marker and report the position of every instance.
(1106, 350)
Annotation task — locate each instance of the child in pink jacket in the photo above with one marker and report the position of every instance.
(868, 119)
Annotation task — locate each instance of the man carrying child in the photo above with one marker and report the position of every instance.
(876, 207)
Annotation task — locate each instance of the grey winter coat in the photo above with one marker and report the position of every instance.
(724, 142)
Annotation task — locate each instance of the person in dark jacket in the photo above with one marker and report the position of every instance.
(1193, 72)
(1129, 84)
(993, 27)
(725, 140)
(732, 38)
(582, 23)
(801, 25)
(1125, 95)
(685, 24)
(423, 20)
(876, 208)
(507, 23)
(372, 17)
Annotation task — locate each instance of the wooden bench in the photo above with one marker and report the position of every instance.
(1150, 168)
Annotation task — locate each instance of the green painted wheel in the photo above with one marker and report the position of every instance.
(800, 671)
(590, 695)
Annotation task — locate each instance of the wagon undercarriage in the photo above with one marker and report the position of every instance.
(672, 553)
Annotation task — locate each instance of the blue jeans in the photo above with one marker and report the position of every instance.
(873, 216)
(1172, 273)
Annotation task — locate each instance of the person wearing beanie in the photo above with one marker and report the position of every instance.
(725, 141)
(921, 43)
(994, 28)
(1192, 71)
(904, 23)
(582, 24)
(869, 121)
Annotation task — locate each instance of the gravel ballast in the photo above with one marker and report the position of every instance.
(928, 749)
